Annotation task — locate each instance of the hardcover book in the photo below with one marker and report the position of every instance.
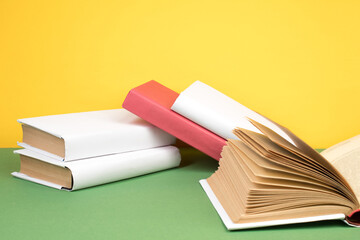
(74, 136)
(152, 102)
(217, 112)
(268, 176)
(89, 172)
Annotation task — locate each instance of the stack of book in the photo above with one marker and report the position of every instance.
(79, 150)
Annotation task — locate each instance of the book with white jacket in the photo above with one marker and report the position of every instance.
(74, 136)
(217, 112)
(89, 172)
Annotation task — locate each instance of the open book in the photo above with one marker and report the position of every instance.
(264, 180)
(267, 176)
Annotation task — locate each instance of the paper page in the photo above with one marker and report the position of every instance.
(345, 156)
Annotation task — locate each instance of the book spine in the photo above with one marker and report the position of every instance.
(114, 141)
(96, 171)
(175, 124)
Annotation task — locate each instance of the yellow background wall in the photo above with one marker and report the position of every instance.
(296, 62)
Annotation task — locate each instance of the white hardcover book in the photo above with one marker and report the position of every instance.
(219, 113)
(94, 171)
(76, 136)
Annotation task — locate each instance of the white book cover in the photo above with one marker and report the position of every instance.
(90, 134)
(230, 225)
(219, 113)
(104, 169)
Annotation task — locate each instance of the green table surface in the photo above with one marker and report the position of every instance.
(164, 205)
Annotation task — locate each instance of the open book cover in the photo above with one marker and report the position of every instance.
(268, 176)
(94, 171)
(73, 136)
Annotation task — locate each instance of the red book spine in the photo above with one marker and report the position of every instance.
(152, 102)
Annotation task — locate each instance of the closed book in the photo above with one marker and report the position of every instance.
(152, 102)
(217, 112)
(74, 136)
(94, 171)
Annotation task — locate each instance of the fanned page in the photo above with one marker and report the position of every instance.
(264, 180)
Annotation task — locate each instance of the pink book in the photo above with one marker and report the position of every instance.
(152, 102)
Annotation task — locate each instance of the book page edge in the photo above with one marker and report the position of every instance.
(230, 225)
